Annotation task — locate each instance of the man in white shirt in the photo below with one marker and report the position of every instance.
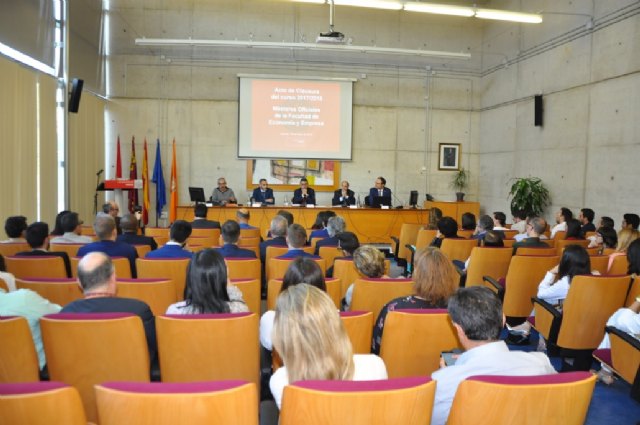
(562, 216)
(519, 221)
(477, 317)
(72, 228)
(15, 227)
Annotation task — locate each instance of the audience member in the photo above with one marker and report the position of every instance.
(230, 236)
(112, 209)
(97, 276)
(606, 237)
(347, 243)
(519, 221)
(586, 220)
(606, 222)
(243, 215)
(15, 228)
(105, 228)
(129, 225)
(6, 277)
(223, 195)
(57, 229)
(263, 194)
(38, 240)
(207, 289)
(625, 237)
(301, 270)
(178, 235)
(435, 279)
(477, 317)
(435, 214)
(447, 228)
(562, 216)
(380, 191)
(200, 218)
(468, 221)
(287, 215)
(304, 195)
(72, 227)
(535, 228)
(323, 353)
(278, 230)
(630, 221)
(320, 225)
(335, 226)
(296, 239)
(499, 221)
(369, 262)
(485, 223)
(574, 230)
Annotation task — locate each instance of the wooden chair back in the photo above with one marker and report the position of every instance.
(85, 349)
(524, 275)
(345, 270)
(458, 249)
(359, 327)
(274, 286)
(466, 234)
(70, 248)
(250, 289)
(3, 285)
(142, 250)
(619, 266)
(487, 261)
(206, 233)
(60, 291)
(274, 251)
(277, 267)
(599, 263)
(10, 249)
(408, 235)
(243, 268)
(509, 234)
(122, 265)
(625, 355)
(560, 235)
(209, 347)
(45, 266)
(372, 294)
(550, 399)
(159, 294)
(508, 243)
(162, 232)
(329, 254)
(198, 243)
(250, 233)
(41, 403)
(407, 401)
(18, 358)
(194, 403)
(562, 243)
(161, 240)
(254, 248)
(634, 291)
(525, 250)
(413, 340)
(172, 268)
(424, 238)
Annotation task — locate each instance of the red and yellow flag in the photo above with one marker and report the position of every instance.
(173, 203)
(133, 175)
(118, 161)
(145, 186)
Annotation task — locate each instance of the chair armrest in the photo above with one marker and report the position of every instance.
(396, 250)
(493, 282)
(548, 319)
(635, 343)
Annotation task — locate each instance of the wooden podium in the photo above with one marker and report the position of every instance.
(455, 209)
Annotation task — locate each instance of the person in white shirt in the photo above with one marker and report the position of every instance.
(562, 216)
(72, 228)
(313, 344)
(15, 227)
(499, 221)
(519, 221)
(477, 317)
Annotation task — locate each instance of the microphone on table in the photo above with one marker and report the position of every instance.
(399, 206)
(99, 172)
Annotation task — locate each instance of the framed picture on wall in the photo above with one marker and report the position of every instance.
(282, 174)
(449, 156)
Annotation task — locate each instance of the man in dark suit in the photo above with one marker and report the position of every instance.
(586, 219)
(263, 194)
(344, 196)
(335, 226)
(304, 195)
(200, 221)
(535, 228)
(111, 208)
(380, 190)
(105, 228)
(296, 239)
(230, 235)
(485, 223)
(38, 239)
(278, 230)
(97, 276)
(348, 243)
(130, 235)
(178, 234)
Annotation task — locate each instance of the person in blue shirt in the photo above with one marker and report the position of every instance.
(296, 239)
(243, 215)
(263, 193)
(179, 233)
(105, 228)
(230, 249)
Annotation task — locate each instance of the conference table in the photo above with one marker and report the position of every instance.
(371, 225)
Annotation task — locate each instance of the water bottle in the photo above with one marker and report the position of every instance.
(286, 201)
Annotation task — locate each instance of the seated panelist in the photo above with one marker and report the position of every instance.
(263, 193)
(380, 195)
(343, 196)
(304, 195)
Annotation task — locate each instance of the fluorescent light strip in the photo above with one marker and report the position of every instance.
(27, 60)
(298, 46)
(440, 9)
(503, 15)
(373, 4)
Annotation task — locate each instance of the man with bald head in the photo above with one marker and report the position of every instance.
(105, 228)
(129, 224)
(97, 279)
(344, 196)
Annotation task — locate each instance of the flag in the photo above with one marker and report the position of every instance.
(173, 205)
(158, 179)
(145, 186)
(133, 175)
(118, 161)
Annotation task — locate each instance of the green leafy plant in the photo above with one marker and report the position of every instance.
(528, 194)
(460, 180)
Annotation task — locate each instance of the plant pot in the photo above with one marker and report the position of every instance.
(459, 196)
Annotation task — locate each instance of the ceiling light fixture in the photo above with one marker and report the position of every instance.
(440, 9)
(503, 15)
(373, 4)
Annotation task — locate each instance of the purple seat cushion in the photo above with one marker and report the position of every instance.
(173, 388)
(423, 310)
(382, 279)
(143, 280)
(363, 386)
(88, 316)
(557, 378)
(30, 387)
(208, 316)
(352, 313)
(604, 354)
(48, 279)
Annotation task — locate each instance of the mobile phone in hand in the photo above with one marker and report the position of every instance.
(449, 357)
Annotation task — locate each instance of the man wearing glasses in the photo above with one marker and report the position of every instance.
(223, 195)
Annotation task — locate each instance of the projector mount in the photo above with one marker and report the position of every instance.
(331, 37)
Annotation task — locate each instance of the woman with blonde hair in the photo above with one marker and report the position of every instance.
(625, 237)
(435, 279)
(369, 262)
(309, 336)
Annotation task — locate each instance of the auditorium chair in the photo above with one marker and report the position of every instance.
(359, 327)
(619, 266)
(142, 250)
(345, 270)
(193, 403)
(413, 340)
(157, 231)
(578, 329)
(562, 243)
(18, 357)
(122, 265)
(10, 249)
(41, 403)
(558, 399)
(250, 289)
(508, 243)
(623, 358)
(59, 291)
(213, 234)
(560, 235)
(254, 248)
(85, 349)
(537, 251)
(371, 294)
(209, 347)
(172, 268)
(277, 267)
(634, 292)
(408, 236)
(406, 401)
(250, 233)
(458, 249)
(487, 261)
(276, 251)
(521, 283)
(509, 234)
(593, 251)
(157, 293)
(45, 266)
(70, 248)
(425, 236)
(3, 285)
(329, 254)
(274, 287)
(465, 234)
(198, 243)
(243, 268)
(599, 263)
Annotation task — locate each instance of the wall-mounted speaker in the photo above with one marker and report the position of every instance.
(76, 92)
(538, 110)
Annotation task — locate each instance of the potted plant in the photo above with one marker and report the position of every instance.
(459, 182)
(528, 194)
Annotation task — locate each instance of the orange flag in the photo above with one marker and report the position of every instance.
(173, 203)
(145, 186)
